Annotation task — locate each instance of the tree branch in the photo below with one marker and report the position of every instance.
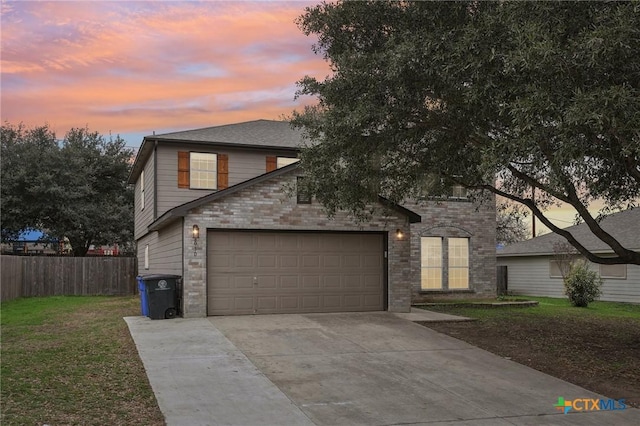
(624, 255)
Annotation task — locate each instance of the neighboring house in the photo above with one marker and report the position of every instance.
(35, 243)
(218, 206)
(535, 269)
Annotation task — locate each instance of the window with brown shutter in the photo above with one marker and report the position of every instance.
(183, 169)
(272, 163)
(223, 171)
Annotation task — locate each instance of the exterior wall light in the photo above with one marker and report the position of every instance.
(399, 234)
(195, 231)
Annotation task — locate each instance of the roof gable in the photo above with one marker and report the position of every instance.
(266, 134)
(624, 226)
(183, 210)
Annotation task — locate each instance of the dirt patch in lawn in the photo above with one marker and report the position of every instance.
(599, 354)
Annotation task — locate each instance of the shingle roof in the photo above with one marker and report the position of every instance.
(255, 133)
(624, 226)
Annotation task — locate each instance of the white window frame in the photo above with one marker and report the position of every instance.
(142, 190)
(146, 256)
(203, 170)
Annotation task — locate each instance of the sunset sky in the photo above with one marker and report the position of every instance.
(134, 67)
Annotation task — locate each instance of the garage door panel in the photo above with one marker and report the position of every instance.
(333, 301)
(372, 282)
(371, 300)
(351, 282)
(289, 302)
(240, 282)
(311, 302)
(243, 261)
(352, 301)
(311, 261)
(311, 282)
(281, 272)
(351, 261)
(266, 282)
(231, 305)
(288, 242)
(309, 242)
(330, 282)
(289, 282)
(289, 261)
(267, 261)
(371, 260)
(267, 302)
(331, 261)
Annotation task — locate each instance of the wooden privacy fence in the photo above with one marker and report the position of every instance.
(26, 276)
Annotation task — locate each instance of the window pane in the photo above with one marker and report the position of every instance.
(431, 262)
(285, 161)
(203, 171)
(458, 263)
(613, 271)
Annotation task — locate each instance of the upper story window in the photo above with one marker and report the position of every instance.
(285, 161)
(437, 188)
(142, 190)
(202, 170)
(458, 192)
(274, 162)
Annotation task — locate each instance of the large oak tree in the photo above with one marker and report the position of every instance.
(75, 188)
(538, 102)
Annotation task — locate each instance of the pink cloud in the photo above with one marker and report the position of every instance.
(132, 66)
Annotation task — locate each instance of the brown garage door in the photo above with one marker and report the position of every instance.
(294, 272)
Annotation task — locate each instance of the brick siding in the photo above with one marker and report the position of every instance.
(269, 206)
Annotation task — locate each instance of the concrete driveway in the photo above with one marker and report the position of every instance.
(352, 369)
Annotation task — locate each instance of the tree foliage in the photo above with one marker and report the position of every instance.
(498, 96)
(510, 225)
(76, 188)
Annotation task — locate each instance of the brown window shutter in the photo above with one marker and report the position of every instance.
(183, 169)
(272, 163)
(223, 171)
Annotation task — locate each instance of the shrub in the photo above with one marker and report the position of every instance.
(582, 285)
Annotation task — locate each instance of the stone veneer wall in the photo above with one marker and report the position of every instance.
(475, 220)
(268, 206)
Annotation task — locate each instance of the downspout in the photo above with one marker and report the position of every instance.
(155, 180)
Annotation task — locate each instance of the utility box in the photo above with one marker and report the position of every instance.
(161, 295)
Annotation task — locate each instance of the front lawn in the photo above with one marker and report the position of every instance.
(597, 347)
(71, 360)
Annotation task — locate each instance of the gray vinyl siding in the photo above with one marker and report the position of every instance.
(165, 251)
(244, 164)
(530, 276)
(142, 218)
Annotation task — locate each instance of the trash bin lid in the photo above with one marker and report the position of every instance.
(153, 277)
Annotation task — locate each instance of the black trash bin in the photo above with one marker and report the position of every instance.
(162, 295)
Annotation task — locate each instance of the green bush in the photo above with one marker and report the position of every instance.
(582, 285)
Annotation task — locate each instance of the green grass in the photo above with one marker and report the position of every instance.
(547, 307)
(71, 360)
